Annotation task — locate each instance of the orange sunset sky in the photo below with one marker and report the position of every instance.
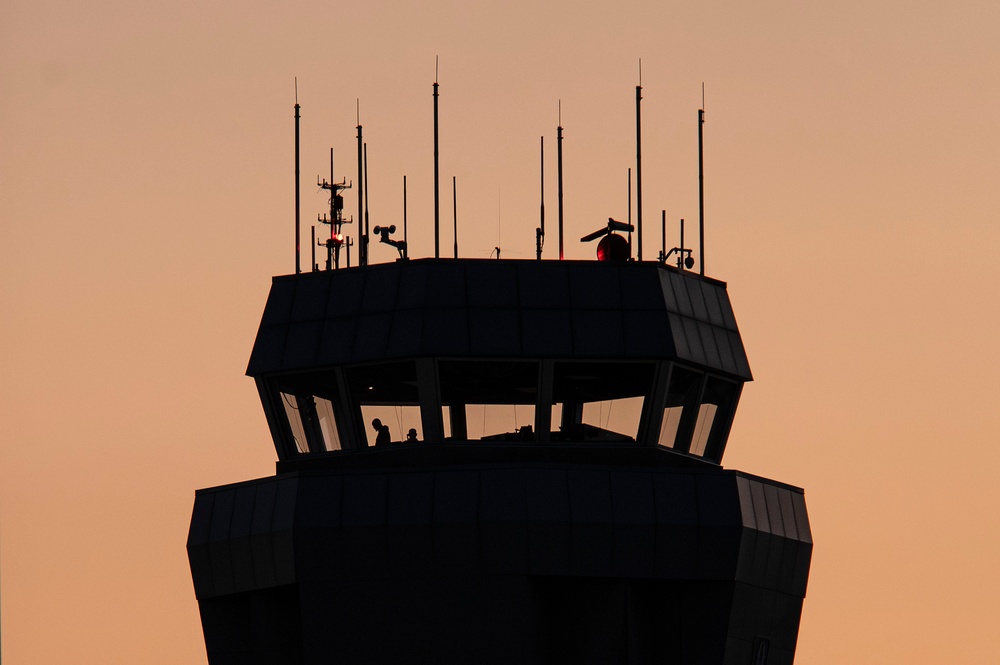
(146, 198)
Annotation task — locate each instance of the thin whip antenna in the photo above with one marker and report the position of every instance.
(298, 204)
(363, 245)
(366, 204)
(638, 161)
(559, 177)
(437, 183)
(406, 250)
(454, 207)
(629, 188)
(540, 231)
(701, 184)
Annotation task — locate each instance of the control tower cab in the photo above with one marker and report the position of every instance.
(496, 462)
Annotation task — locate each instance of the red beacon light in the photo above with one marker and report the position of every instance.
(612, 247)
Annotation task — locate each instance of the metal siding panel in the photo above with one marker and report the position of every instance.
(260, 534)
(681, 347)
(728, 363)
(547, 333)
(801, 518)
(531, 275)
(278, 309)
(640, 287)
(728, 317)
(197, 545)
(311, 295)
(346, 293)
(774, 510)
(787, 513)
(491, 286)
(409, 515)
(712, 358)
(696, 353)
(494, 332)
(281, 530)
(456, 533)
(746, 502)
(592, 534)
(218, 546)
(711, 294)
(594, 286)
(681, 296)
(302, 346)
(412, 288)
(337, 341)
(372, 337)
(598, 333)
(365, 543)
(676, 503)
(760, 506)
(647, 335)
(239, 538)
(667, 292)
(446, 332)
(548, 521)
(381, 285)
(697, 298)
(406, 333)
(503, 519)
(634, 523)
(268, 350)
(739, 355)
(445, 285)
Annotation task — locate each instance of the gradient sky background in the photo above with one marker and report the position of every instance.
(146, 198)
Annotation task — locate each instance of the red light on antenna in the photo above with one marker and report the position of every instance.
(613, 247)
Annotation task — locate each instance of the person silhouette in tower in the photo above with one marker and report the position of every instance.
(383, 435)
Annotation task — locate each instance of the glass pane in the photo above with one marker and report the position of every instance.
(599, 401)
(291, 405)
(488, 400)
(398, 420)
(702, 428)
(678, 415)
(327, 424)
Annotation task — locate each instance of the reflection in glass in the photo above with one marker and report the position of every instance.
(488, 400)
(292, 412)
(599, 401)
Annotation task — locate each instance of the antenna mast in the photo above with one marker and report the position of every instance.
(363, 245)
(298, 207)
(437, 184)
(335, 220)
(365, 239)
(540, 231)
(701, 185)
(638, 160)
(454, 207)
(406, 253)
(559, 177)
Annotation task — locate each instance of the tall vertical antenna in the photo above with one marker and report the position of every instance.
(638, 160)
(406, 245)
(364, 240)
(298, 207)
(363, 245)
(437, 183)
(629, 188)
(680, 257)
(314, 266)
(540, 231)
(701, 185)
(663, 235)
(454, 207)
(559, 177)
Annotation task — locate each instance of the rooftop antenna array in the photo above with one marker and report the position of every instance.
(365, 236)
(638, 160)
(335, 220)
(298, 207)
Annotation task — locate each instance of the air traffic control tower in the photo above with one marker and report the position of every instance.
(546, 486)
